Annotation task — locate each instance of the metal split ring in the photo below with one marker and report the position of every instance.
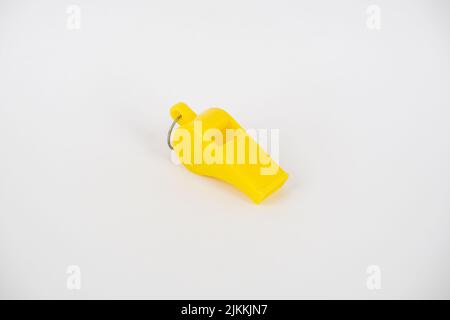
(169, 134)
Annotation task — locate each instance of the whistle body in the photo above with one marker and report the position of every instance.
(213, 144)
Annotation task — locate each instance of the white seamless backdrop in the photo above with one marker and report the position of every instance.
(91, 206)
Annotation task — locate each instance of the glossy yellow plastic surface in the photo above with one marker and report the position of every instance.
(257, 179)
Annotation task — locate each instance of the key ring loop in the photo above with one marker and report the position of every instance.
(169, 134)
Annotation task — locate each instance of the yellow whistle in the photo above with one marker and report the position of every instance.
(213, 144)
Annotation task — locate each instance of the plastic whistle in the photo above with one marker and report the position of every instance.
(213, 144)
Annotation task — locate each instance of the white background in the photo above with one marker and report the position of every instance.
(86, 177)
